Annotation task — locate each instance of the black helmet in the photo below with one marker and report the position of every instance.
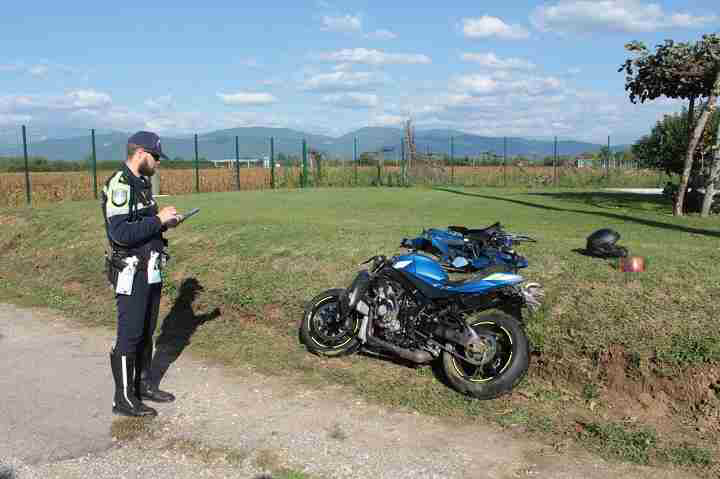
(602, 243)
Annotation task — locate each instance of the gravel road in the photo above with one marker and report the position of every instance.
(55, 404)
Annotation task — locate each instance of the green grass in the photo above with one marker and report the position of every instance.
(630, 445)
(259, 256)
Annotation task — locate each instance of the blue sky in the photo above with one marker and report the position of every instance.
(516, 68)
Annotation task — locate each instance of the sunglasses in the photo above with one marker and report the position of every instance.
(155, 156)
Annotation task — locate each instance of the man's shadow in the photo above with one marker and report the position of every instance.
(178, 326)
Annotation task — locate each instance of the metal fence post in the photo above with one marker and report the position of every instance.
(402, 162)
(452, 160)
(237, 163)
(378, 180)
(197, 173)
(303, 173)
(355, 159)
(607, 164)
(272, 162)
(94, 163)
(505, 161)
(27, 172)
(555, 158)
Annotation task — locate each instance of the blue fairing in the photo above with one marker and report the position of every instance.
(431, 273)
(482, 285)
(447, 245)
(422, 267)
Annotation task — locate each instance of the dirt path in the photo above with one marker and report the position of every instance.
(55, 393)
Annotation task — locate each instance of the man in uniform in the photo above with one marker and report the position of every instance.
(134, 228)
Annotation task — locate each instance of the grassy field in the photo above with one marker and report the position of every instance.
(51, 187)
(626, 363)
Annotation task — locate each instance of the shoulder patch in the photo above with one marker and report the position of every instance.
(123, 178)
(119, 196)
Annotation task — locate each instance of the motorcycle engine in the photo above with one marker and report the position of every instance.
(387, 308)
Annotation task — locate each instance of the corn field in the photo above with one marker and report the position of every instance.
(50, 187)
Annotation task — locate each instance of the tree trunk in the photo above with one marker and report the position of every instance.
(697, 133)
(679, 200)
(715, 168)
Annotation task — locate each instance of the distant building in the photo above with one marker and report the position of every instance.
(256, 162)
(584, 160)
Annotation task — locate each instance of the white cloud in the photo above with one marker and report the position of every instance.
(490, 84)
(72, 100)
(382, 34)
(352, 100)
(246, 98)
(345, 23)
(163, 102)
(343, 80)
(627, 16)
(385, 119)
(373, 57)
(13, 120)
(249, 62)
(86, 99)
(487, 26)
(38, 70)
(490, 60)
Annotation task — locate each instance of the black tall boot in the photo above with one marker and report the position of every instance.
(145, 385)
(126, 402)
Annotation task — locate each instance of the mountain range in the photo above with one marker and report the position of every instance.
(255, 142)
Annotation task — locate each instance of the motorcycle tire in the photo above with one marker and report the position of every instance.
(508, 367)
(325, 334)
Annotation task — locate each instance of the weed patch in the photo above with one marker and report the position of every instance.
(614, 439)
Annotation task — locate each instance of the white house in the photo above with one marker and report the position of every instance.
(248, 161)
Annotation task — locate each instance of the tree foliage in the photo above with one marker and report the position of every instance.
(689, 71)
(675, 70)
(667, 143)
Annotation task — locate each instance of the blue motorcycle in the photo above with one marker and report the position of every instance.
(407, 306)
(464, 250)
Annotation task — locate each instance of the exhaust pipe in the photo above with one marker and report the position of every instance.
(413, 355)
(452, 334)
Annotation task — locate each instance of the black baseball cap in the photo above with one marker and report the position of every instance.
(149, 142)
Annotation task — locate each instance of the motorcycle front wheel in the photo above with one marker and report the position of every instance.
(324, 332)
(507, 363)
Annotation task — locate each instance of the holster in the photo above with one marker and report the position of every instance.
(114, 264)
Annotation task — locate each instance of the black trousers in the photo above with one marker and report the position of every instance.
(137, 319)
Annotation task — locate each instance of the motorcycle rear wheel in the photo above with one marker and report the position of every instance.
(323, 332)
(507, 368)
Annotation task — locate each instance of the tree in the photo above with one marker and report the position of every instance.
(714, 170)
(688, 71)
(665, 146)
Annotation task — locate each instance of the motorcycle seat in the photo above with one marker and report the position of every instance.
(478, 233)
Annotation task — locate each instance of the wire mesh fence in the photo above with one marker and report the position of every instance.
(26, 178)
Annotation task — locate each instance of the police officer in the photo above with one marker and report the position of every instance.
(134, 228)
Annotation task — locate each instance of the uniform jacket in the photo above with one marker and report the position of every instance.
(130, 212)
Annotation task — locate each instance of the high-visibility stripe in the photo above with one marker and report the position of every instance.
(125, 380)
